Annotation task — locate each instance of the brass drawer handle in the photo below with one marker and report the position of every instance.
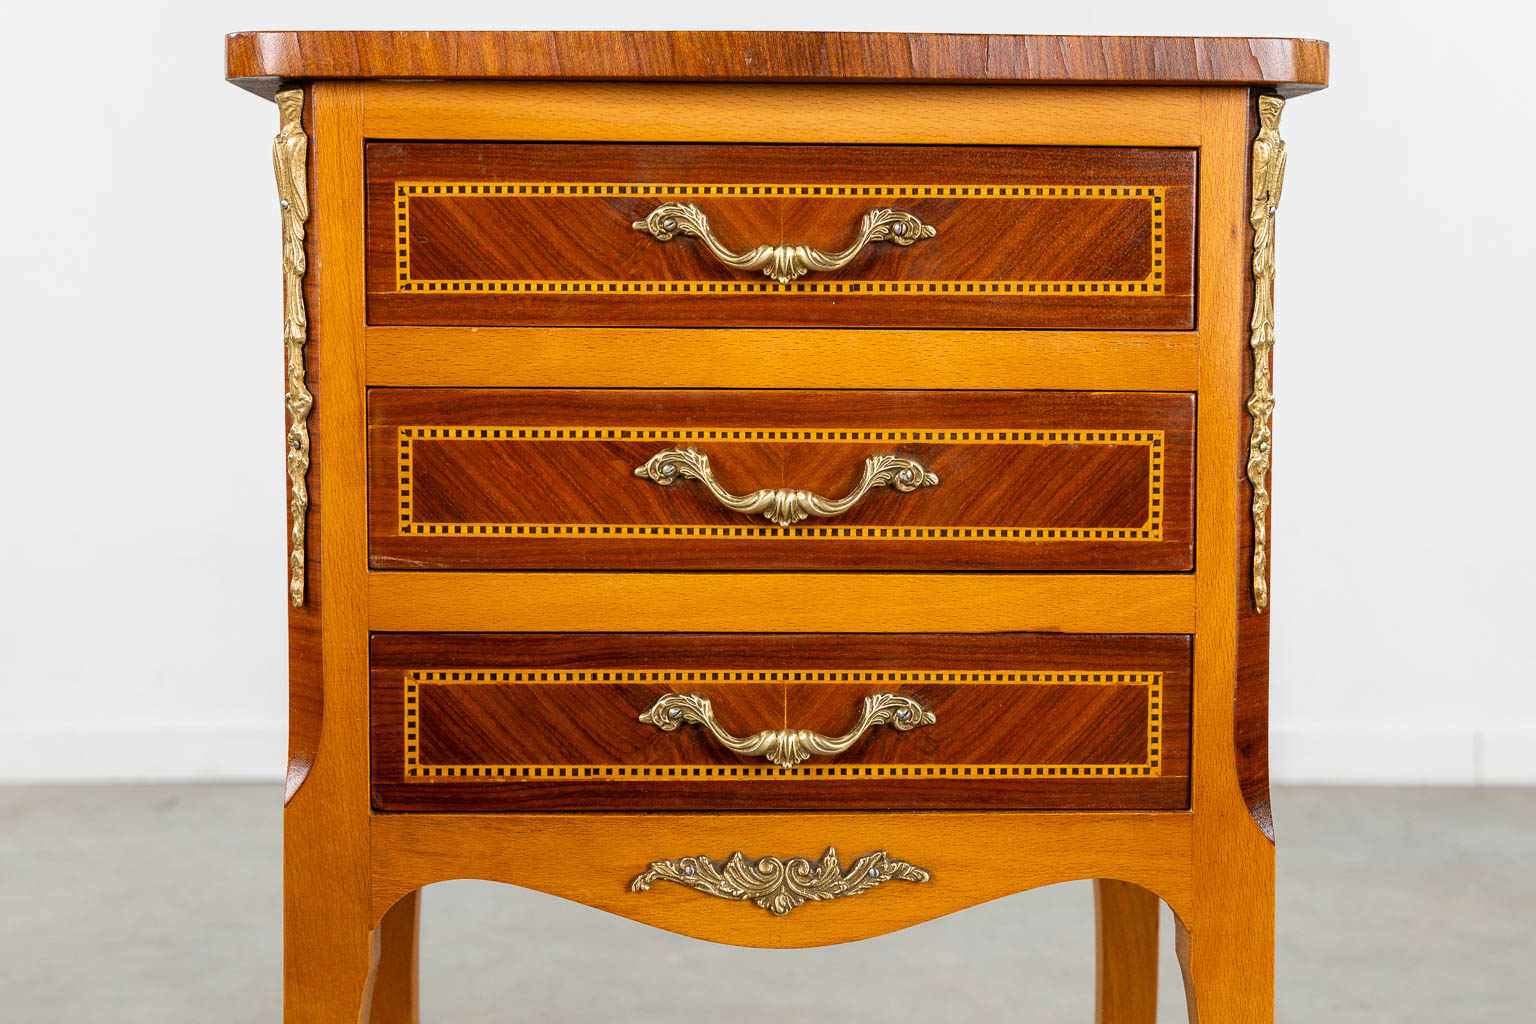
(783, 263)
(780, 886)
(785, 506)
(788, 747)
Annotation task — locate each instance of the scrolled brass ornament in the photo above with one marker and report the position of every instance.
(1268, 176)
(290, 154)
(780, 886)
(785, 506)
(788, 747)
(783, 263)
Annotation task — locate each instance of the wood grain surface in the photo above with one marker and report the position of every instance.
(487, 722)
(491, 233)
(1125, 944)
(1101, 481)
(551, 357)
(331, 959)
(831, 114)
(1250, 737)
(852, 602)
(975, 856)
(396, 995)
(306, 640)
(347, 865)
(257, 60)
(1231, 922)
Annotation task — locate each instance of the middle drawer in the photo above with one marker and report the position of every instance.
(909, 481)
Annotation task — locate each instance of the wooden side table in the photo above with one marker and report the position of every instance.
(780, 488)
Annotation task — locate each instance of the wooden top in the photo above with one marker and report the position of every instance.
(258, 61)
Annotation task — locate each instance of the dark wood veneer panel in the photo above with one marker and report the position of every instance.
(1057, 237)
(1099, 717)
(516, 503)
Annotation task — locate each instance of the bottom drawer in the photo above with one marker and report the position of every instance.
(538, 721)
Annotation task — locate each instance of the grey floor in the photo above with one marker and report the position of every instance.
(161, 903)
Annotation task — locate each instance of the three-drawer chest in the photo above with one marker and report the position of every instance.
(779, 488)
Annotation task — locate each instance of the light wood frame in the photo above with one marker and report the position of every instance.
(350, 913)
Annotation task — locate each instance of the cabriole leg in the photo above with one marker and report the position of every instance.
(395, 999)
(1228, 956)
(329, 957)
(1125, 920)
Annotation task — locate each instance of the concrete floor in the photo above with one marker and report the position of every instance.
(161, 904)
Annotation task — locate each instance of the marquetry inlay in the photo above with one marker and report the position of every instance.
(702, 679)
(406, 191)
(1150, 530)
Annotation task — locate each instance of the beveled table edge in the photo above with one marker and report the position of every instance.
(260, 61)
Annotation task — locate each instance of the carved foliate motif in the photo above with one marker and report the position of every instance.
(290, 156)
(1268, 177)
(779, 886)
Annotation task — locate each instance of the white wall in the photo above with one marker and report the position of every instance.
(142, 522)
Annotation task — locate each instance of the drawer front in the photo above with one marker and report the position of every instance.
(514, 479)
(693, 235)
(481, 722)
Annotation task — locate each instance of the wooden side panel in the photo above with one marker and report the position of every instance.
(1251, 707)
(328, 955)
(1230, 925)
(1251, 702)
(546, 479)
(306, 670)
(551, 721)
(519, 234)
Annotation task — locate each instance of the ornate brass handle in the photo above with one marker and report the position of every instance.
(788, 747)
(785, 506)
(779, 886)
(783, 263)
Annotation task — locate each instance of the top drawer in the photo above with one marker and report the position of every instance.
(699, 235)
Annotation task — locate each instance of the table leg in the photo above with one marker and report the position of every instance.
(395, 997)
(1125, 918)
